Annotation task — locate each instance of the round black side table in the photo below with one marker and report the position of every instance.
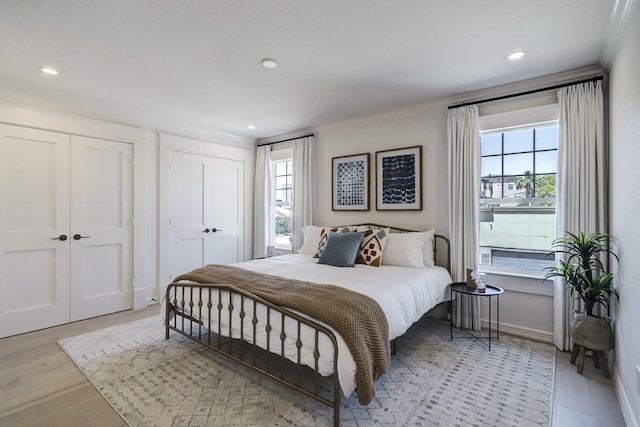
(490, 292)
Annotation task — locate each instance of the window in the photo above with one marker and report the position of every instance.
(283, 183)
(518, 197)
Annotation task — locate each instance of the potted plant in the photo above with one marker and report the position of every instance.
(584, 273)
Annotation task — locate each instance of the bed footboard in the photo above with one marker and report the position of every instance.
(254, 333)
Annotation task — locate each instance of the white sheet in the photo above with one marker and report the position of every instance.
(405, 295)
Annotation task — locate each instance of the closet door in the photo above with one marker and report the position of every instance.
(101, 227)
(227, 215)
(34, 229)
(190, 180)
(207, 211)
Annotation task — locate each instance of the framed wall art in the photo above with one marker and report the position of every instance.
(399, 179)
(350, 183)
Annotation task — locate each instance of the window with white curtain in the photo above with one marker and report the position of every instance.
(517, 212)
(282, 182)
(283, 188)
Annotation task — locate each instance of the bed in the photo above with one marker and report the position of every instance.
(284, 316)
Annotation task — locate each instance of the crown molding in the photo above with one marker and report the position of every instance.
(210, 135)
(525, 85)
(284, 136)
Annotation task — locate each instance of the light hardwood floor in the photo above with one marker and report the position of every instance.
(41, 386)
(587, 400)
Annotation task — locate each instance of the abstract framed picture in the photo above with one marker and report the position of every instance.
(350, 183)
(399, 179)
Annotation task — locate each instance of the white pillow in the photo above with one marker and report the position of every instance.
(404, 250)
(427, 249)
(311, 239)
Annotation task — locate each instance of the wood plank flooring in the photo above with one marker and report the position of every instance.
(41, 386)
(587, 400)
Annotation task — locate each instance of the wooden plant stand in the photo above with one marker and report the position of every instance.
(599, 359)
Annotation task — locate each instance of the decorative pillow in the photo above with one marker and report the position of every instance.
(311, 239)
(341, 249)
(404, 250)
(324, 235)
(427, 249)
(372, 246)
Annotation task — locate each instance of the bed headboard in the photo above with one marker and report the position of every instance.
(441, 243)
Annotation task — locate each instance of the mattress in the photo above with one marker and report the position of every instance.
(405, 294)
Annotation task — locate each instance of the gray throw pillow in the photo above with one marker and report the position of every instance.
(341, 249)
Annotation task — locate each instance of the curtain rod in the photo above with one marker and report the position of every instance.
(286, 140)
(529, 92)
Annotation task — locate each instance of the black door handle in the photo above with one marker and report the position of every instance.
(62, 237)
(206, 230)
(213, 230)
(78, 237)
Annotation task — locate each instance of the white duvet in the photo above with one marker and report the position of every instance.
(405, 295)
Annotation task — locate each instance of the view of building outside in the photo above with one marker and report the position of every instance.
(518, 197)
(283, 192)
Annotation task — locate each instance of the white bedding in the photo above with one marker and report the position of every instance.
(405, 295)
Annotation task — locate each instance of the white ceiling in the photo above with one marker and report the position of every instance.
(193, 66)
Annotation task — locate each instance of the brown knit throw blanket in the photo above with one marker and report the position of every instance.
(356, 317)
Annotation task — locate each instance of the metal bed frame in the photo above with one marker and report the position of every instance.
(181, 298)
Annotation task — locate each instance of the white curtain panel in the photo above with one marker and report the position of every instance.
(582, 182)
(263, 217)
(464, 177)
(305, 188)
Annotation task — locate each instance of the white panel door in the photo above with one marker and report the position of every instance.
(207, 211)
(101, 227)
(34, 229)
(227, 215)
(190, 173)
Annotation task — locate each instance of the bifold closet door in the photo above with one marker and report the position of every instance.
(101, 227)
(34, 235)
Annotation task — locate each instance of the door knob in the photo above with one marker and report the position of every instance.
(62, 237)
(78, 237)
(206, 230)
(213, 230)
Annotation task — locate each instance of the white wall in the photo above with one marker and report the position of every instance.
(426, 127)
(527, 306)
(624, 212)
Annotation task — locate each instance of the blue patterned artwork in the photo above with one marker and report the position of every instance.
(399, 179)
(351, 182)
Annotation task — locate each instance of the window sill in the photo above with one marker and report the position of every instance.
(501, 271)
(513, 280)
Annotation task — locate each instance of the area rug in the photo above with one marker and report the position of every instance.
(433, 381)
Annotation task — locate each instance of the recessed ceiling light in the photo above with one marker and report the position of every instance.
(251, 127)
(49, 70)
(516, 55)
(269, 63)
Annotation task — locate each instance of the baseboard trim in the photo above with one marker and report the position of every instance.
(623, 401)
(521, 331)
(139, 298)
